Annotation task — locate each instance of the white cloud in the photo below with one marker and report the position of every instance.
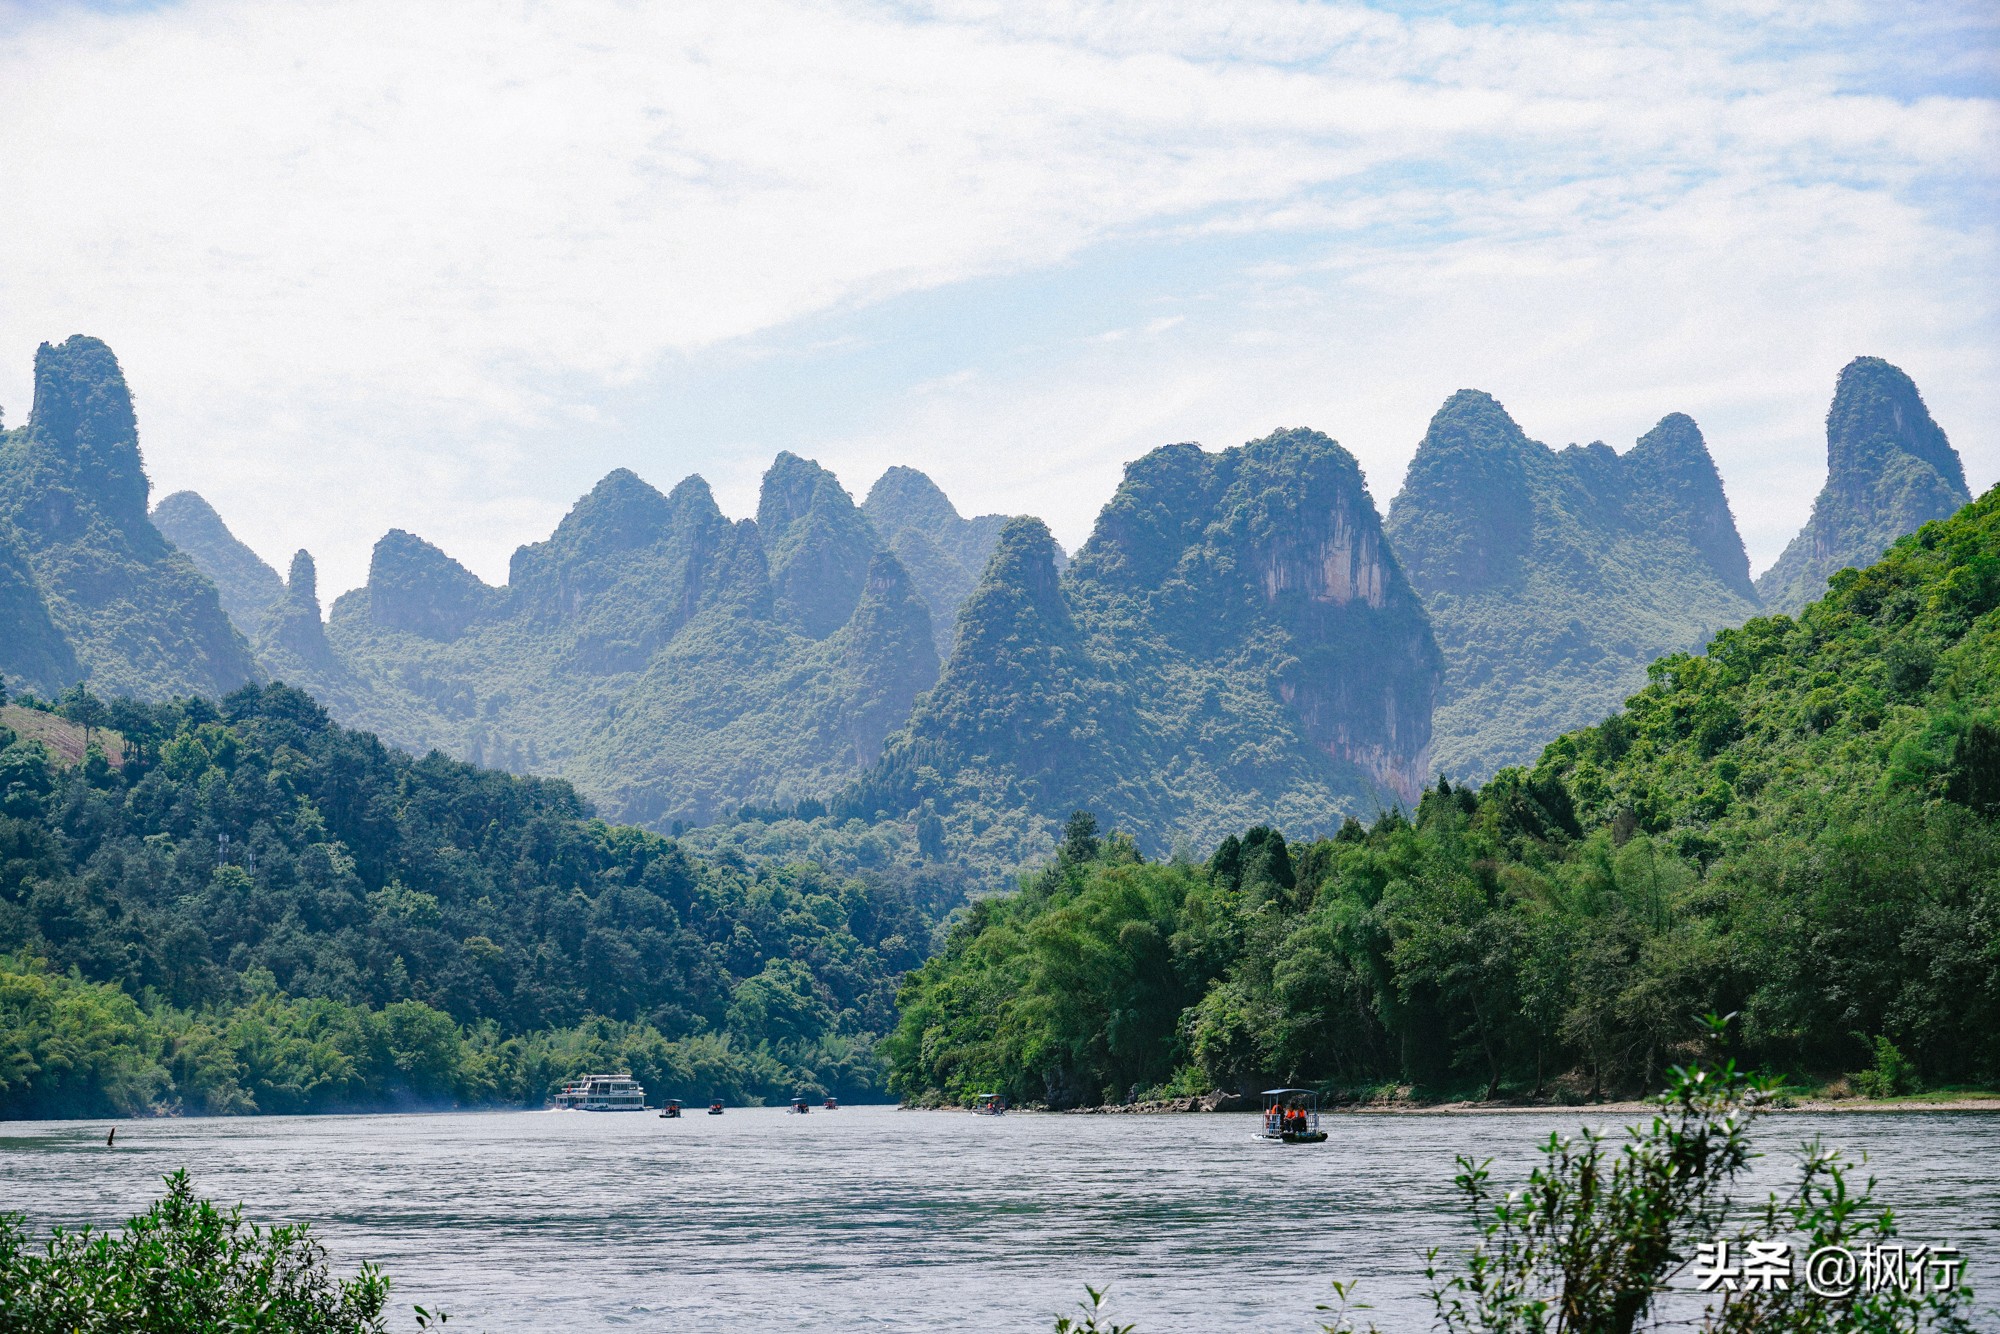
(371, 263)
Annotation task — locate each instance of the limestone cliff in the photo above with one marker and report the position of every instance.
(293, 628)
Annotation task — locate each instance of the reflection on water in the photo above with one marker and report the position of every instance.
(878, 1219)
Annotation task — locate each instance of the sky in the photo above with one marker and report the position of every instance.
(372, 264)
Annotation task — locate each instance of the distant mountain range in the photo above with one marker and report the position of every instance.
(1242, 638)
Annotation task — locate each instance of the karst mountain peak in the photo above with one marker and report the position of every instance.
(136, 615)
(1552, 577)
(1889, 470)
(1236, 635)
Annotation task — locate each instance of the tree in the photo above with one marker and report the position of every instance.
(84, 709)
(1080, 842)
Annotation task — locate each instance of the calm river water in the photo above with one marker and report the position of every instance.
(870, 1218)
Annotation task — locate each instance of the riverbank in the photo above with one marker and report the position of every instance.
(1403, 1103)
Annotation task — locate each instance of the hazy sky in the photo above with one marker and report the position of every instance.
(440, 267)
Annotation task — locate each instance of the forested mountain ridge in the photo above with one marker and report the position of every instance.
(1235, 637)
(1553, 577)
(247, 586)
(672, 662)
(1220, 653)
(1801, 825)
(131, 610)
(1889, 469)
(315, 920)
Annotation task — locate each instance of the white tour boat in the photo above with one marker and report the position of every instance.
(603, 1093)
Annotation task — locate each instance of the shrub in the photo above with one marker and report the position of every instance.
(183, 1267)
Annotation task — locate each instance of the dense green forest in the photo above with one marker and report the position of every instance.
(256, 909)
(1798, 826)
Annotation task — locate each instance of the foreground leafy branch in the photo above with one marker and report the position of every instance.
(184, 1267)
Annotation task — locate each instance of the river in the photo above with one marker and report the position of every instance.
(870, 1218)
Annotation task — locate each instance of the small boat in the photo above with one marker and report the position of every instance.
(603, 1093)
(799, 1107)
(830, 1104)
(672, 1111)
(715, 1108)
(1291, 1116)
(990, 1104)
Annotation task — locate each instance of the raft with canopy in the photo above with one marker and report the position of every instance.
(1291, 1116)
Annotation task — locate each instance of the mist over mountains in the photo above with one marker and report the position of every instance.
(1242, 639)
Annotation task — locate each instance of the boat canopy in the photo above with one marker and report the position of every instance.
(1280, 1093)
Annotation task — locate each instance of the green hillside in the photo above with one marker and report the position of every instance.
(670, 662)
(673, 664)
(32, 649)
(132, 612)
(1553, 577)
(1801, 826)
(260, 910)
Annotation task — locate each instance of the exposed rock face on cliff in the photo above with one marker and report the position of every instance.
(249, 588)
(1235, 643)
(1889, 471)
(1553, 578)
(1265, 567)
(136, 615)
